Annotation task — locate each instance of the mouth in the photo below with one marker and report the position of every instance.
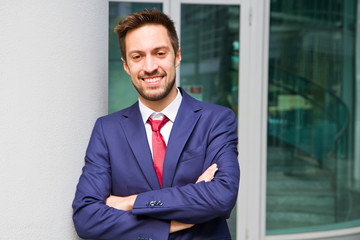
(152, 80)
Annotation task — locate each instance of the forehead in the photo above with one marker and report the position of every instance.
(147, 37)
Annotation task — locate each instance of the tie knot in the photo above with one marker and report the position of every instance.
(156, 125)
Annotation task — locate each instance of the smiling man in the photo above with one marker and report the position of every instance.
(151, 65)
(166, 167)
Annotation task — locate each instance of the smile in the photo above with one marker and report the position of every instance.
(152, 80)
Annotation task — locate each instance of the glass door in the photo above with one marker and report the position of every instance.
(209, 69)
(312, 168)
(210, 52)
(121, 91)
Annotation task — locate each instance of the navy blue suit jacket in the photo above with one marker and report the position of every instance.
(118, 161)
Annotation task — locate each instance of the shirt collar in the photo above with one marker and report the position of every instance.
(170, 111)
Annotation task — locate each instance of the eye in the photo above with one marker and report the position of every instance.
(161, 53)
(136, 57)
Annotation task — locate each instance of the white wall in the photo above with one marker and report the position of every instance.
(53, 85)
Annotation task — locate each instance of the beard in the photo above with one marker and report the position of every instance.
(159, 96)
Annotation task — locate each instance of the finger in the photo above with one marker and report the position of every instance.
(212, 170)
(209, 173)
(213, 166)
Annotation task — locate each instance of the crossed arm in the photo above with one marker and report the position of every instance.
(98, 216)
(127, 203)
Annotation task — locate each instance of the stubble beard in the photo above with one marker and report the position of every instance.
(157, 97)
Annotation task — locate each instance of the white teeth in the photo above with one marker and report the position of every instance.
(151, 80)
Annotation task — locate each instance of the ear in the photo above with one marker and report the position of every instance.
(126, 68)
(178, 58)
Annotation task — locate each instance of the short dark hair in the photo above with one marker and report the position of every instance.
(139, 19)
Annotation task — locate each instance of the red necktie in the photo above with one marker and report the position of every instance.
(158, 145)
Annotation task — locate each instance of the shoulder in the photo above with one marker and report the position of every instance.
(114, 118)
(219, 116)
(205, 107)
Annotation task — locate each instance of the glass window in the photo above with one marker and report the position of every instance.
(210, 53)
(313, 113)
(121, 91)
(210, 58)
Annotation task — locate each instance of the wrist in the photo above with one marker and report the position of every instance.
(131, 201)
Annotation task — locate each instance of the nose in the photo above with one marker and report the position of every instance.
(150, 64)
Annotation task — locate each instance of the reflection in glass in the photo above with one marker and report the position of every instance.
(121, 91)
(312, 117)
(210, 47)
(210, 57)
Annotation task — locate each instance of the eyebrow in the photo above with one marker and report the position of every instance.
(155, 49)
(160, 48)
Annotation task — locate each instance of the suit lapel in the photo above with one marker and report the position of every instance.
(134, 129)
(185, 121)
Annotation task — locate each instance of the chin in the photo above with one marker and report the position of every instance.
(155, 97)
(155, 93)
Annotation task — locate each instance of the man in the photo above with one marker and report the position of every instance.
(179, 181)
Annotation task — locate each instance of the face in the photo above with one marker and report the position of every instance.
(151, 63)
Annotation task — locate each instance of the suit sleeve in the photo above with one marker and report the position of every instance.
(201, 202)
(92, 217)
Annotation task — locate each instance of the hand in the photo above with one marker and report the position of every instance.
(209, 174)
(121, 203)
(178, 226)
(127, 203)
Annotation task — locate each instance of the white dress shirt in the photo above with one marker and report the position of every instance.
(170, 112)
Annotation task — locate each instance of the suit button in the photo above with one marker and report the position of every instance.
(154, 203)
(151, 204)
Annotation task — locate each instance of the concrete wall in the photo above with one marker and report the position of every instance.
(53, 86)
